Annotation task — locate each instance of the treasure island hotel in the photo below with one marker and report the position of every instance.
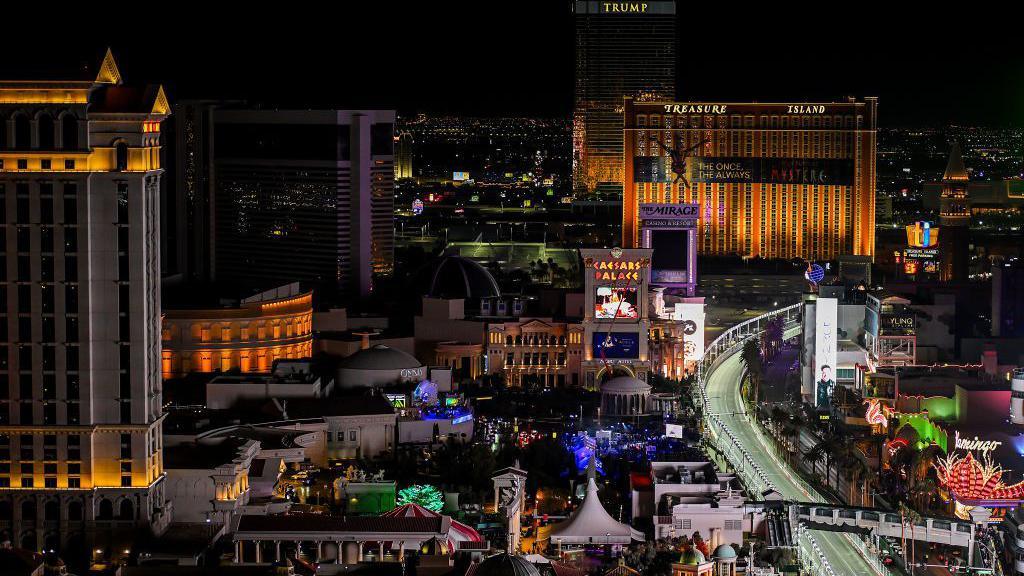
(80, 388)
(772, 180)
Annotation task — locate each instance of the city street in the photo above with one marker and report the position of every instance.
(723, 390)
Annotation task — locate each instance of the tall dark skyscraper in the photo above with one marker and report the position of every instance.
(955, 220)
(267, 197)
(622, 49)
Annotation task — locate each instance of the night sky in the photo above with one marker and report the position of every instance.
(516, 58)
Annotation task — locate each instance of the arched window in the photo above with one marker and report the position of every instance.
(126, 511)
(3, 132)
(5, 510)
(22, 132)
(51, 511)
(28, 511)
(44, 124)
(121, 156)
(106, 510)
(51, 541)
(69, 132)
(75, 511)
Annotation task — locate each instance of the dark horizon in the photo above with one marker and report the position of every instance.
(493, 60)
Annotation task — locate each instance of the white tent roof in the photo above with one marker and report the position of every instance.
(592, 524)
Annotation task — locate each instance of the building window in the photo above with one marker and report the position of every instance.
(69, 135)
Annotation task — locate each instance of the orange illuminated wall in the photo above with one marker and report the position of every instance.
(248, 338)
(747, 217)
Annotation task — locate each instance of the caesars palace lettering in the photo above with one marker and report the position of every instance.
(624, 7)
(605, 270)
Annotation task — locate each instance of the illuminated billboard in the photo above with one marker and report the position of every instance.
(460, 176)
(616, 345)
(616, 302)
(396, 400)
(742, 170)
(690, 316)
(670, 230)
(898, 324)
(826, 314)
(922, 235)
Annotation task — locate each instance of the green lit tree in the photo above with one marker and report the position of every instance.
(423, 494)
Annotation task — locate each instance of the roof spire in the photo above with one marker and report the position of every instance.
(108, 74)
(955, 169)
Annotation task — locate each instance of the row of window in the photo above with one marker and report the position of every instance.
(45, 132)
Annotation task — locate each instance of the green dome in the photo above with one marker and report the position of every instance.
(724, 552)
(692, 557)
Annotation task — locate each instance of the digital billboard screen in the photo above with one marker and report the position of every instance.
(826, 313)
(670, 249)
(741, 170)
(616, 302)
(616, 345)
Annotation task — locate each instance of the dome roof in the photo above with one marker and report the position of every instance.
(434, 547)
(506, 565)
(724, 552)
(625, 385)
(692, 557)
(457, 277)
(380, 357)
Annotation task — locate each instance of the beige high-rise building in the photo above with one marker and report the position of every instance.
(403, 156)
(80, 391)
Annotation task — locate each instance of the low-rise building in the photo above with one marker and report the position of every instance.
(209, 480)
(224, 391)
(355, 427)
(248, 336)
(540, 350)
(681, 498)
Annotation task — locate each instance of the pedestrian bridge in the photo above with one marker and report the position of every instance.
(880, 523)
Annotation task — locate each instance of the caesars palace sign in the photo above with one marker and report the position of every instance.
(613, 270)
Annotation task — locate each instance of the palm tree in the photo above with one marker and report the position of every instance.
(828, 447)
(908, 517)
(854, 469)
(751, 356)
(922, 492)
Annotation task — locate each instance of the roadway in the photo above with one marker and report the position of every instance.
(723, 393)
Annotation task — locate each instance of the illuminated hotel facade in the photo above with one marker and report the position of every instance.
(270, 326)
(538, 350)
(80, 391)
(771, 180)
(622, 49)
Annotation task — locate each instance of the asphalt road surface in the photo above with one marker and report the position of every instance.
(723, 391)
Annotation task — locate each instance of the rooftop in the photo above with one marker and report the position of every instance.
(327, 523)
(202, 455)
